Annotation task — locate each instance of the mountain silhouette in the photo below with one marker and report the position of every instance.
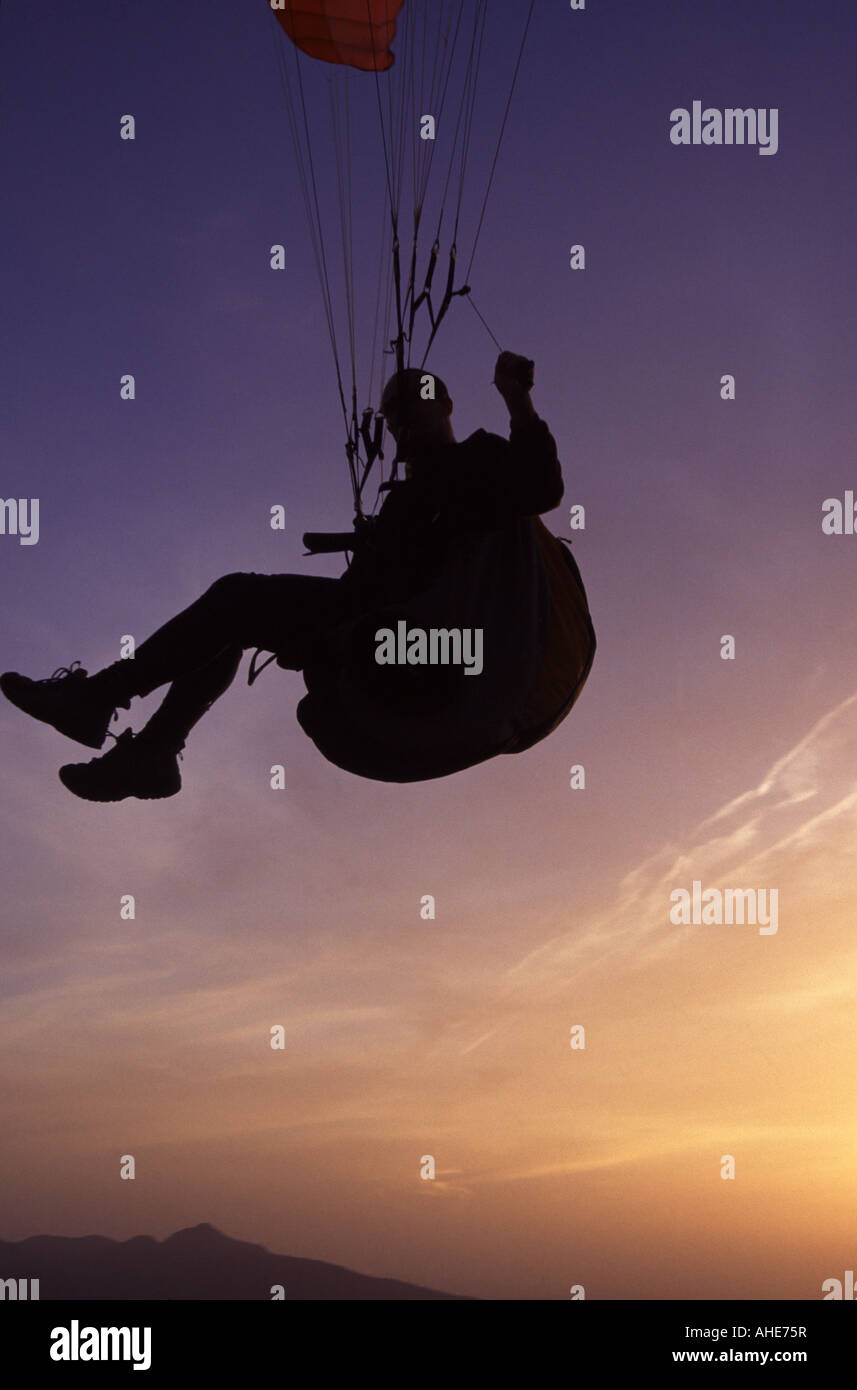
(198, 1262)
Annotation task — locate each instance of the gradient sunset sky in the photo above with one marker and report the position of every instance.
(301, 907)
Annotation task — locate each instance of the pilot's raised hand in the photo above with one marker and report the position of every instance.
(513, 375)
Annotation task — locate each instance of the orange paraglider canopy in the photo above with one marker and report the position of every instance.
(354, 32)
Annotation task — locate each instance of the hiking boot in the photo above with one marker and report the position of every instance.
(65, 700)
(135, 767)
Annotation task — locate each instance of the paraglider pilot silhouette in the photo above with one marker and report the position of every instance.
(456, 539)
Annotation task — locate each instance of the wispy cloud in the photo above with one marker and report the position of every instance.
(807, 799)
